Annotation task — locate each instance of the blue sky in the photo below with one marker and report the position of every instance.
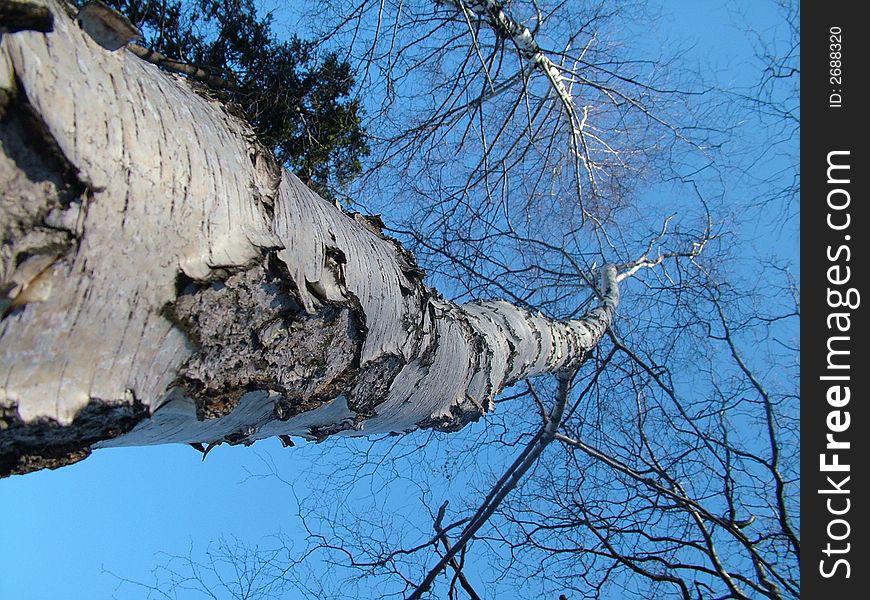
(117, 510)
(66, 531)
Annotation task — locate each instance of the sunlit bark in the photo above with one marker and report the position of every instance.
(165, 281)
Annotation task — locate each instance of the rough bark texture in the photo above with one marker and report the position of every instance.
(160, 271)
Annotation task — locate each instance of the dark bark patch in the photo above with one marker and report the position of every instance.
(44, 443)
(18, 16)
(36, 182)
(251, 333)
(27, 141)
(373, 385)
(460, 415)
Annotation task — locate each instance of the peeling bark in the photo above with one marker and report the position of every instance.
(248, 329)
(208, 296)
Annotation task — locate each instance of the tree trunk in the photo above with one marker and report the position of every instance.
(164, 281)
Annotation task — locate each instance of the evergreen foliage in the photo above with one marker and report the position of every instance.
(298, 100)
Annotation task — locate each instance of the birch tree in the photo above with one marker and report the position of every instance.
(166, 282)
(672, 471)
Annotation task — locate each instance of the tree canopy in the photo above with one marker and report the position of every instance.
(298, 99)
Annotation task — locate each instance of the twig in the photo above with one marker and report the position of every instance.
(192, 71)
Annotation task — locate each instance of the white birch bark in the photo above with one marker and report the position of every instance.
(161, 272)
